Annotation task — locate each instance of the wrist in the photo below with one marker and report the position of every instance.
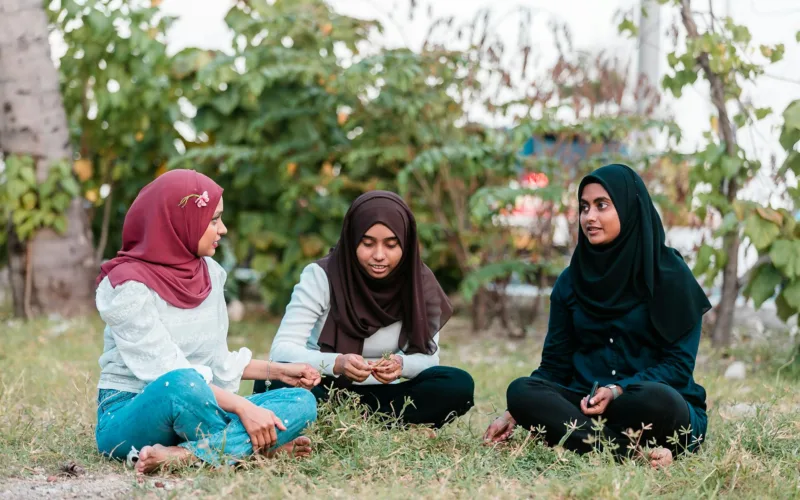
(337, 364)
(274, 370)
(616, 390)
(507, 417)
(240, 406)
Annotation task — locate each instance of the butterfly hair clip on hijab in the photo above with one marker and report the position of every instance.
(201, 201)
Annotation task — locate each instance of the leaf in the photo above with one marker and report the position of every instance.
(790, 132)
(28, 176)
(792, 294)
(792, 163)
(770, 215)
(731, 166)
(627, 26)
(226, 102)
(762, 113)
(312, 245)
(784, 310)
(83, 169)
(264, 263)
(15, 188)
(785, 255)
(60, 224)
(29, 201)
(703, 261)
(761, 232)
(762, 285)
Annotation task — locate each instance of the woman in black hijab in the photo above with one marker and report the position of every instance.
(626, 315)
(368, 315)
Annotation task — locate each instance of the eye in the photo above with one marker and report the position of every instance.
(602, 205)
(366, 243)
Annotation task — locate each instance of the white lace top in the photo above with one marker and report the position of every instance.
(145, 337)
(297, 339)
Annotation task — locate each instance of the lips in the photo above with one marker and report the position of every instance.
(592, 230)
(378, 269)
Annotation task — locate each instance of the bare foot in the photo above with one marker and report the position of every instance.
(300, 447)
(151, 458)
(660, 458)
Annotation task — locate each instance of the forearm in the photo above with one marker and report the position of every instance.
(229, 401)
(259, 369)
(672, 374)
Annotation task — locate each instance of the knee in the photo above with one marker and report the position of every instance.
(521, 392)
(517, 391)
(304, 404)
(460, 387)
(658, 398)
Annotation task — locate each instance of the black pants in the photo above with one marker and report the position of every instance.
(440, 394)
(538, 403)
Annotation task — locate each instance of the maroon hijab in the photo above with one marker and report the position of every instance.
(361, 304)
(160, 236)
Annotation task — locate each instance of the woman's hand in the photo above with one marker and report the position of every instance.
(602, 398)
(500, 429)
(297, 374)
(387, 371)
(260, 425)
(352, 366)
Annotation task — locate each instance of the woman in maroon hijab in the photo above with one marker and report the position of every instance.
(368, 316)
(168, 381)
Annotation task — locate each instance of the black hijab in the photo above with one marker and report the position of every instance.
(610, 280)
(361, 304)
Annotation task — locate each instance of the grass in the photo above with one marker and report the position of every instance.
(48, 375)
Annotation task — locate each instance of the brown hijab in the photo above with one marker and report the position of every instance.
(361, 304)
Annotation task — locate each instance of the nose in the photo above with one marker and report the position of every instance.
(223, 230)
(379, 254)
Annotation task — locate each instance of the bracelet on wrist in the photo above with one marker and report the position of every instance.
(615, 390)
(268, 382)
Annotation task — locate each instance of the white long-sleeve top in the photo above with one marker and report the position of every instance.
(145, 337)
(298, 335)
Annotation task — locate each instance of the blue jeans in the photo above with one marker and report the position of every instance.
(179, 409)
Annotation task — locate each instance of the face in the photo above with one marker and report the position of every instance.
(379, 251)
(214, 232)
(599, 220)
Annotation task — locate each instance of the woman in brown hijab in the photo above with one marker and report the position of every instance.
(368, 316)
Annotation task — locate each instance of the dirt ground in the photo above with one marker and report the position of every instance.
(40, 486)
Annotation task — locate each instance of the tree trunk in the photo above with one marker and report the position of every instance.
(721, 334)
(35, 124)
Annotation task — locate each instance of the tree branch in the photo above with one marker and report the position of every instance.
(717, 87)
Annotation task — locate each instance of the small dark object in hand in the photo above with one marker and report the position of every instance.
(591, 394)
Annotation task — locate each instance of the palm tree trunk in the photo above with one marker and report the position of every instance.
(34, 123)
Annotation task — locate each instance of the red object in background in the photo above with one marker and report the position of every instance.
(535, 180)
(530, 205)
